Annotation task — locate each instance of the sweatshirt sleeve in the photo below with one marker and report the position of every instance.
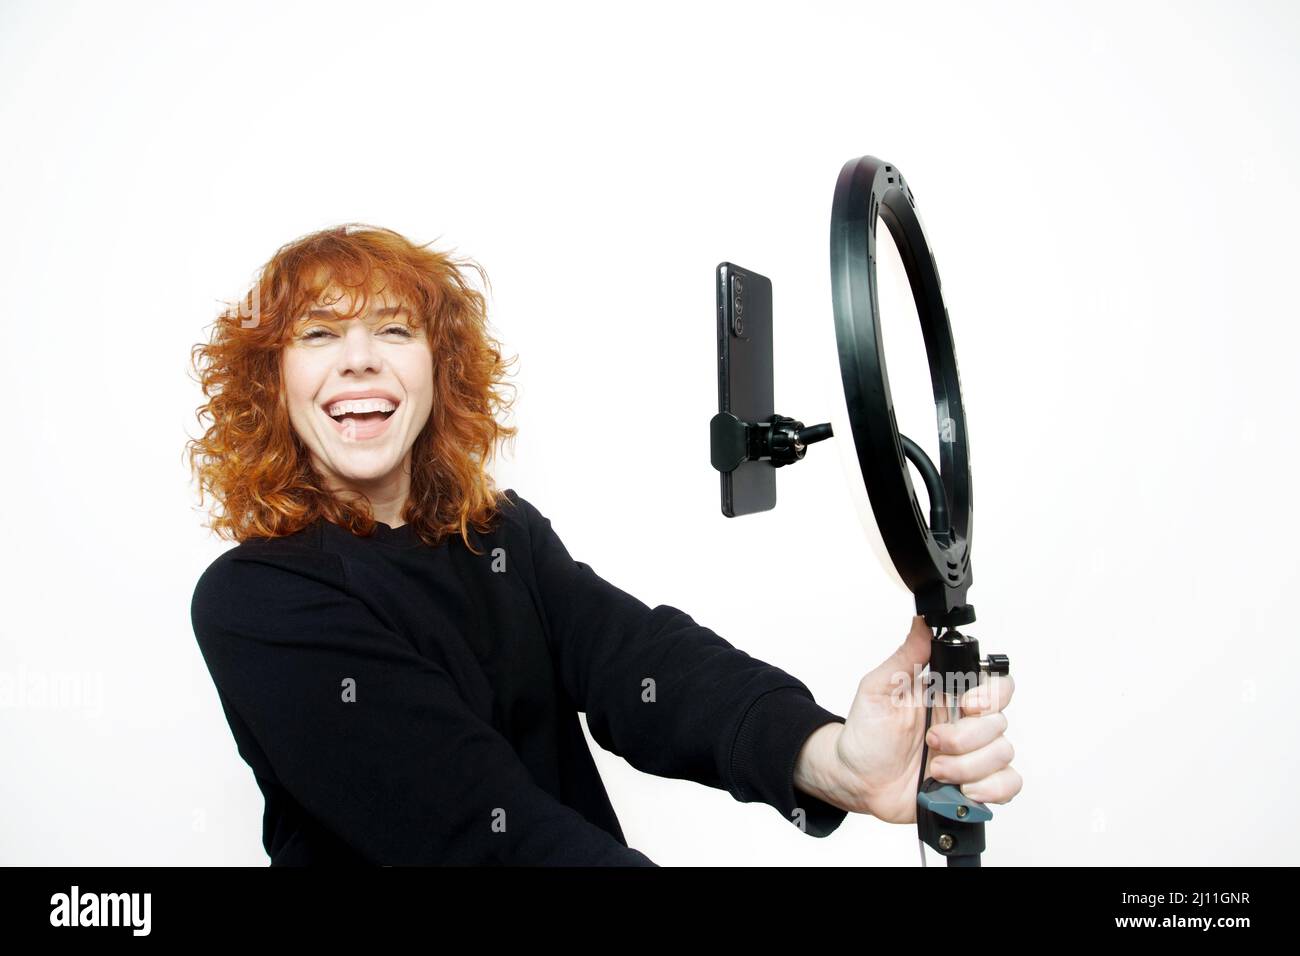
(371, 737)
(672, 697)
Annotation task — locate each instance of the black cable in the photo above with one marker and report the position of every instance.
(920, 779)
(934, 486)
(924, 746)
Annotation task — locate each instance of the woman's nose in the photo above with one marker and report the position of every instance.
(359, 352)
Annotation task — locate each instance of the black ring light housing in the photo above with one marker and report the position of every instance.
(932, 557)
(930, 553)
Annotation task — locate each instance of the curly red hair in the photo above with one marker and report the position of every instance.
(251, 460)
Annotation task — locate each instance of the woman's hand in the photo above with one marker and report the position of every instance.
(872, 762)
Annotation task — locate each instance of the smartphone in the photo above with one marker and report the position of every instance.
(745, 387)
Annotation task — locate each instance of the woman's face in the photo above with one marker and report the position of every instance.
(372, 362)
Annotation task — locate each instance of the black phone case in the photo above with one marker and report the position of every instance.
(745, 381)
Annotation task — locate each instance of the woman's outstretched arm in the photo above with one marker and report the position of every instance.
(671, 696)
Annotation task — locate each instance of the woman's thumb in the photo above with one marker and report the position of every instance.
(912, 655)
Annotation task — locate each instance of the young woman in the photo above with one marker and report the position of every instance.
(402, 650)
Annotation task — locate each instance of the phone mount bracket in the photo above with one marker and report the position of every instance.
(777, 439)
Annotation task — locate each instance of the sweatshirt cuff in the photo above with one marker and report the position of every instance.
(768, 741)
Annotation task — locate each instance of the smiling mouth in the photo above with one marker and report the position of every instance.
(360, 417)
(361, 426)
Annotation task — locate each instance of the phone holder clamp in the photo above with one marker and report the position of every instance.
(777, 439)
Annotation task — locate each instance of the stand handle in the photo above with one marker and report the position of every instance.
(947, 820)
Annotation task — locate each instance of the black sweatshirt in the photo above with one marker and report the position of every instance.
(404, 704)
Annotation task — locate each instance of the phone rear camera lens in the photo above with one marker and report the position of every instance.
(740, 285)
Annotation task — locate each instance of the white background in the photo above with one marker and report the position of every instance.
(1109, 191)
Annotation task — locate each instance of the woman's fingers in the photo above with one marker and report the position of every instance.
(974, 752)
(975, 766)
(999, 787)
(969, 733)
(990, 697)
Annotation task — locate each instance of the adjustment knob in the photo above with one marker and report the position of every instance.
(998, 664)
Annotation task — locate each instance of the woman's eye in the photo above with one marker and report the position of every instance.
(318, 332)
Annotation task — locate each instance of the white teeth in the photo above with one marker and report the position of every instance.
(359, 405)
